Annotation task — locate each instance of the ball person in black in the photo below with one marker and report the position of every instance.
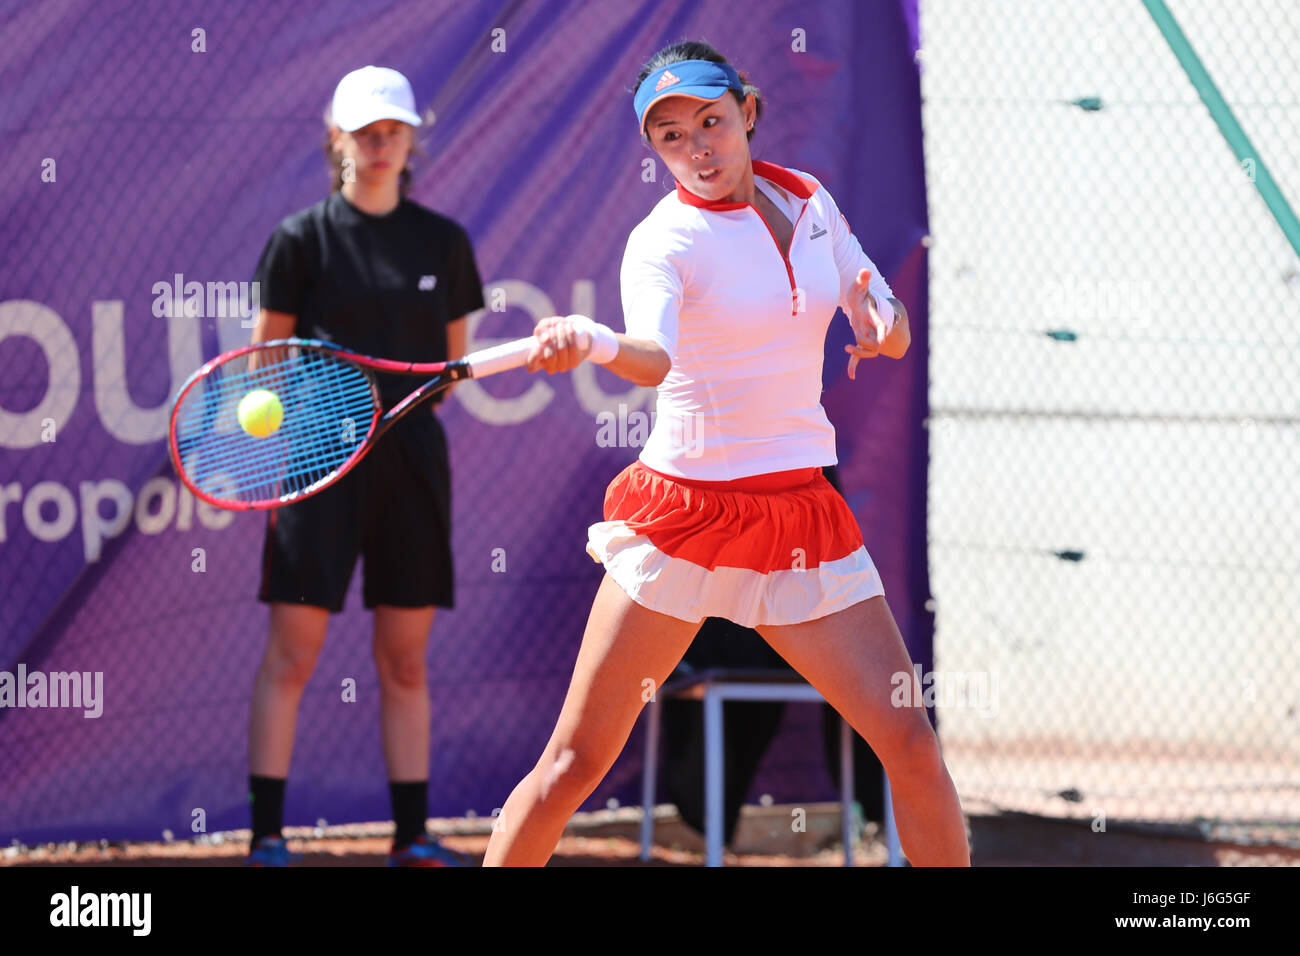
(371, 270)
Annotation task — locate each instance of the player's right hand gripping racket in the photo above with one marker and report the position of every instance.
(322, 414)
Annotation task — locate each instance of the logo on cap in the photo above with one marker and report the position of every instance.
(666, 80)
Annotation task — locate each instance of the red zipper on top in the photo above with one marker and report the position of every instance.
(789, 269)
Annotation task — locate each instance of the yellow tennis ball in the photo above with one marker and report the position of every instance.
(260, 413)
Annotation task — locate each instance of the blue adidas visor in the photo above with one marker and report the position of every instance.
(701, 79)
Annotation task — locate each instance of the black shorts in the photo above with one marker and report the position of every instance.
(394, 508)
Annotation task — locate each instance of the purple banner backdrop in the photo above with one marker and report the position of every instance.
(147, 141)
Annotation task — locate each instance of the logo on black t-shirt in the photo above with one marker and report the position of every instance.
(427, 283)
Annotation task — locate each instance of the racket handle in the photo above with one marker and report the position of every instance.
(500, 358)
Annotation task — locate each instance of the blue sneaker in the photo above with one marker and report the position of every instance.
(272, 851)
(427, 851)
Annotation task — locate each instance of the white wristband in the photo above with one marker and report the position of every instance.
(604, 344)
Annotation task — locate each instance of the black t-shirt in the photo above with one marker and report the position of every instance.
(385, 286)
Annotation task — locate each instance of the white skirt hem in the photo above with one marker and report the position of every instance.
(749, 598)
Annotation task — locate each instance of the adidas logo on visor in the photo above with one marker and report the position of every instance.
(666, 80)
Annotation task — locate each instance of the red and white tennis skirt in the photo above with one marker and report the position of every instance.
(780, 548)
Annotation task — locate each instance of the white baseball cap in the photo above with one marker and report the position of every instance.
(373, 93)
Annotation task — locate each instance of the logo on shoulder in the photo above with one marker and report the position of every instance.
(668, 79)
(427, 283)
(817, 232)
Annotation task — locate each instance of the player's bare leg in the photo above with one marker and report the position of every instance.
(851, 658)
(626, 652)
(405, 713)
(297, 633)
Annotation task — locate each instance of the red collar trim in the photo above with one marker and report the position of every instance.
(790, 182)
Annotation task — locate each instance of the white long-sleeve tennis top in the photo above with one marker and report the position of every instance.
(744, 325)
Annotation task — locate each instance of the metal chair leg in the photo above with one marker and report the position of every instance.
(648, 774)
(713, 776)
(896, 857)
(846, 789)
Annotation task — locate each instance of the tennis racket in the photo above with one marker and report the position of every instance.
(322, 415)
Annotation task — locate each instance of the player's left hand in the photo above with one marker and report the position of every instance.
(558, 348)
(868, 326)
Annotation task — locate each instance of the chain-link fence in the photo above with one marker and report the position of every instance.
(1114, 511)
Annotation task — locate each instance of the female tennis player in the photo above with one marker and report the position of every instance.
(728, 288)
(371, 270)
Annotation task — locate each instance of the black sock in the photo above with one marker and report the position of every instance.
(410, 809)
(266, 794)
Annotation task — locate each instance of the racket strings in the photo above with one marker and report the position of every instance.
(316, 396)
(335, 400)
(328, 405)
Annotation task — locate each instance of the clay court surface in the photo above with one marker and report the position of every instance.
(603, 838)
(1032, 803)
(608, 838)
(573, 851)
